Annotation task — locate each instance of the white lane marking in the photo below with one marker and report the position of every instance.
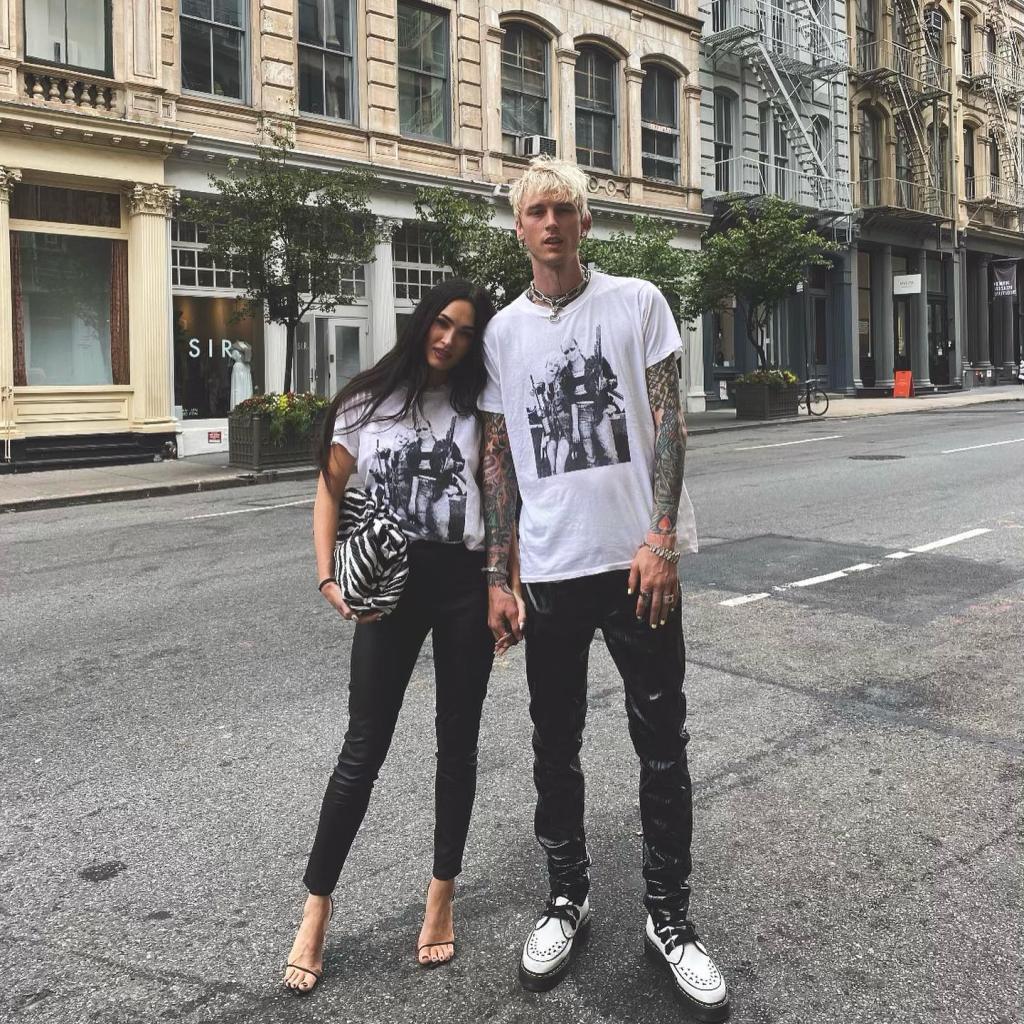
(733, 602)
(861, 567)
(255, 508)
(899, 554)
(815, 580)
(975, 447)
(786, 444)
(951, 540)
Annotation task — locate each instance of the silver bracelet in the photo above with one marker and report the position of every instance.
(669, 554)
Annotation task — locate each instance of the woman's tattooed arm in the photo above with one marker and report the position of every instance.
(500, 490)
(669, 445)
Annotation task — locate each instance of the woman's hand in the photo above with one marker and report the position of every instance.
(332, 594)
(510, 639)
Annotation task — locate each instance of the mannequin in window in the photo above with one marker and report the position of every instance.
(241, 373)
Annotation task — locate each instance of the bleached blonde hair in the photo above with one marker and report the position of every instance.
(548, 176)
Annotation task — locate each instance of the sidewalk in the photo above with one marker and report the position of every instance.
(26, 491)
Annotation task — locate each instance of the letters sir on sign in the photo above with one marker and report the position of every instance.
(195, 348)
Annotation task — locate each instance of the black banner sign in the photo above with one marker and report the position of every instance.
(1004, 280)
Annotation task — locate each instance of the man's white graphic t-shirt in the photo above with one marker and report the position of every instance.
(424, 466)
(574, 397)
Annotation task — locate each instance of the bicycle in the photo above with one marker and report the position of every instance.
(813, 398)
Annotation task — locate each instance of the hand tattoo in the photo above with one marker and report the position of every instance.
(500, 489)
(669, 444)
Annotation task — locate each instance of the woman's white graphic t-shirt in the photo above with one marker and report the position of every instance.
(574, 397)
(425, 465)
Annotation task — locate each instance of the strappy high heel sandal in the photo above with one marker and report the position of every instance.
(294, 989)
(430, 945)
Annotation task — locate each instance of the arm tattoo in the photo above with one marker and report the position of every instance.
(500, 489)
(669, 444)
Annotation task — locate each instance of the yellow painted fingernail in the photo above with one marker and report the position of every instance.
(629, 590)
(663, 622)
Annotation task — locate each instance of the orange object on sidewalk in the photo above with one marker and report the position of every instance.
(904, 384)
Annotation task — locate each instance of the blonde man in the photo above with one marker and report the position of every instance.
(599, 542)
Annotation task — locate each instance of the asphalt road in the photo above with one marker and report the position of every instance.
(173, 699)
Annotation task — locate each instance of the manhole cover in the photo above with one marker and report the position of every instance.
(875, 458)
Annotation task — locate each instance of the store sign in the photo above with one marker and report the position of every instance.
(906, 284)
(214, 436)
(209, 348)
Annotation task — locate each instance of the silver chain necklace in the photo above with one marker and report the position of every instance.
(557, 303)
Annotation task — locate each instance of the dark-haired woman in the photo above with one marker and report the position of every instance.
(409, 428)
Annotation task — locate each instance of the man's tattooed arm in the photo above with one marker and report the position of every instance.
(669, 445)
(500, 490)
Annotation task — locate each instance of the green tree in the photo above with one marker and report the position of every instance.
(466, 240)
(759, 259)
(645, 252)
(296, 233)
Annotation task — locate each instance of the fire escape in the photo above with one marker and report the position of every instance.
(909, 70)
(801, 64)
(999, 77)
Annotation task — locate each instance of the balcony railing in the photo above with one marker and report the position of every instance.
(747, 176)
(990, 67)
(792, 36)
(921, 73)
(986, 188)
(899, 194)
(68, 89)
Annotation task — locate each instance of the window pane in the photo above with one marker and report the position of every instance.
(195, 56)
(197, 8)
(228, 12)
(311, 84)
(338, 20)
(87, 34)
(339, 86)
(44, 30)
(227, 63)
(421, 105)
(310, 23)
(657, 97)
(422, 42)
(66, 206)
(65, 293)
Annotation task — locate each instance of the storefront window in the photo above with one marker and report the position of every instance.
(66, 206)
(207, 344)
(64, 306)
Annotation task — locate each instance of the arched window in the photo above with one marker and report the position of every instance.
(867, 34)
(970, 183)
(991, 47)
(725, 140)
(993, 158)
(967, 44)
(524, 84)
(870, 158)
(659, 123)
(773, 147)
(596, 97)
(821, 136)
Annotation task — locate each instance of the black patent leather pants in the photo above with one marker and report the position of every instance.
(446, 595)
(561, 621)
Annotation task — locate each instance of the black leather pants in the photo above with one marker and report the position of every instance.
(445, 595)
(561, 621)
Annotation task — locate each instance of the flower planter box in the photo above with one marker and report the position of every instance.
(766, 401)
(250, 445)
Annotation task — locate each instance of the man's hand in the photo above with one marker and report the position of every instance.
(505, 615)
(655, 580)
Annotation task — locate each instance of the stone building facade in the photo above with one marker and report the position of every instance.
(115, 326)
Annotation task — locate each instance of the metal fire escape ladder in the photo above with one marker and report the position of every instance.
(1008, 130)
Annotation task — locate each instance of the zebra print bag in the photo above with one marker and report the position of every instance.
(371, 556)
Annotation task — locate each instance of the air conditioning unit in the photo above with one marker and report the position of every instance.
(934, 21)
(535, 145)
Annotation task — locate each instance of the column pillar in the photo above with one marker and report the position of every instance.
(492, 100)
(383, 330)
(8, 178)
(691, 169)
(883, 331)
(634, 162)
(846, 357)
(149, 206)
(983, 335)
(954, 285)
(693, 362)
(566, 58)
(919, 360)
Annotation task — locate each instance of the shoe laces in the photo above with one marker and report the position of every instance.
(673, 936)
(561, 912)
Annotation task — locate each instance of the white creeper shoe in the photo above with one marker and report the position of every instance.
(698, 982)
(554, 941)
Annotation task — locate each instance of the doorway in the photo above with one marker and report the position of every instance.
(329, 353)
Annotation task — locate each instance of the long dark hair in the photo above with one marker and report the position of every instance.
(405, 369)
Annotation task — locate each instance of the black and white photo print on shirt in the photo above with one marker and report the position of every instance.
(577, 413)
(423, 479)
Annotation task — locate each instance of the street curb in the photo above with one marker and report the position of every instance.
(269, 476)
(830, 416)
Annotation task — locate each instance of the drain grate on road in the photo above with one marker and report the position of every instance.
(875, 458)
